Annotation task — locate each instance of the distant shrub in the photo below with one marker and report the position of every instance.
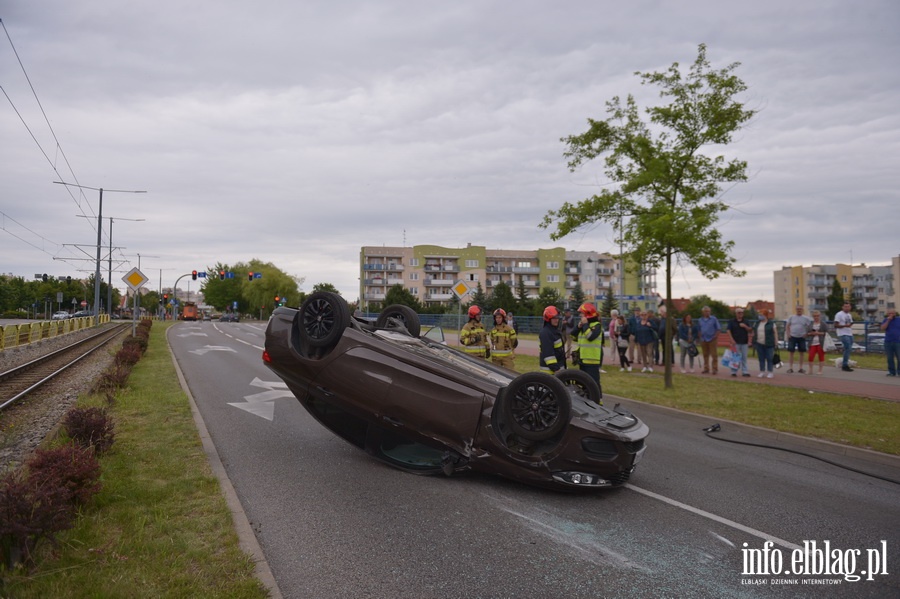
(128, 355)
(112, 379)
(138, 341)
(90, 427)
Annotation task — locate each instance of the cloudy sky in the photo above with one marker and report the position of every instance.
(297, 131)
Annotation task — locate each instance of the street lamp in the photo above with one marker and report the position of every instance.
(99, 234)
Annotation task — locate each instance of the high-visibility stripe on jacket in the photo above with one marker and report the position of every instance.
(473, 338)
(503, 340)
(590, 343)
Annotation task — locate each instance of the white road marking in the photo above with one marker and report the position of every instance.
(194, 335)
(210, 348)
(263, 404)
(752, 531)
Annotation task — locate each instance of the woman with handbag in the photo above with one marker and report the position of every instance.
(688, 333)
(619, 334)
(766, 340)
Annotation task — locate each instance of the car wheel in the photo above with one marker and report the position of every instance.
(323, 318)
(536, 406)
(404, 314)
(581, 383)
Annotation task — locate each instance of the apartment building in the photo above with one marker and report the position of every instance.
(429, 272)
(872, 289)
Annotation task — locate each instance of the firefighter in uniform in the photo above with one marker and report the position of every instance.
(473, 337)
(590, 341)
(552, 349)
(503, 341)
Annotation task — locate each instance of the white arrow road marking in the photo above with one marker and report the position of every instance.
(209, 348)
(262, 404)
(194, 335)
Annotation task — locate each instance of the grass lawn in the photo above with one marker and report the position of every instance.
(160, 526)
(867, 423)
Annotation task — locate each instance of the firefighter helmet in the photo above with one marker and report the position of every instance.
(474, 311)
(501, 313)
(588, 310)
(550, 312)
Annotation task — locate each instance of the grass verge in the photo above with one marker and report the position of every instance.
(846, 419)
(160, 526)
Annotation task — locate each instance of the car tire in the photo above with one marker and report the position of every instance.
(322, 319)
(581, 383)
(536, 406)
(404, 314)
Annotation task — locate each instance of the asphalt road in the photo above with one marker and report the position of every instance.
(335, 523)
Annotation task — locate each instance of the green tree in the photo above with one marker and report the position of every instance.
(717, 308)
(480, 299)
(325, 287)
(549, 296)
(668, 192)
(502, 297)
(577, 297)
(523, 302)
(835, 300)
(609, 302)
(259, 294)
(398, 294)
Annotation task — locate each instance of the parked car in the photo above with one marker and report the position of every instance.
(875, 342)
(61, 315)
(82, 313)
(229, 317)
(421, 406)
(839, 345)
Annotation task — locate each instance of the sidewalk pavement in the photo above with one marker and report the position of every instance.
(862, 382)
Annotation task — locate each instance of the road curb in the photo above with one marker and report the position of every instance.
(768, 434)
(246, 537)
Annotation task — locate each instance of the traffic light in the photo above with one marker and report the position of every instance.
(221, 275)
(68, 280)
(194, 275)
(277, 299)
(250, 276)
(44, 278)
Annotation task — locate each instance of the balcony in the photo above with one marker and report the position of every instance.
(378, 282)
(441, 268)
(378, 297)
(499, 269)
(393, 282)
(439, 282)
(573, 270)
(531, 283)
(527, 270)
(439, 297)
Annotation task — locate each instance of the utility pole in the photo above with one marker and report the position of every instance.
(99, 241)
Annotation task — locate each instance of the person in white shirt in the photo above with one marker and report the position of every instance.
(843, 326)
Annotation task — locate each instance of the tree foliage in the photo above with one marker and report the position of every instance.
(502, 297)
(609, 302)
(577, 296)
(398, 294)
(835, 300)
(664, 198)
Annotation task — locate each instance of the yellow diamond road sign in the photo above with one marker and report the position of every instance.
(460, 289)
(135, 279)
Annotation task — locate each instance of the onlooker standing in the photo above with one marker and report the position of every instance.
(632, 340)
(843, 326)
(654, 321)
(511, 321)
(688, 334)
(816, 334)
(796, 328)
(891, 328)
(613, 318)
(709, 340)
(620, 337)
(739, 331)
(645, 336)
(766, 340)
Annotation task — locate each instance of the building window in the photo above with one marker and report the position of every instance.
(523, 264)
(471, 263)
(553, 278)
(553, 265)
(472, 276)
(413, 276)
(413, 261)
(414, 290)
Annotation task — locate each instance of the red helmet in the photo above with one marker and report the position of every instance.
(474, 311)
(588, 310)
(501, 313)
(550, 312)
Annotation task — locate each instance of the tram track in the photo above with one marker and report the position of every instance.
(18, 382)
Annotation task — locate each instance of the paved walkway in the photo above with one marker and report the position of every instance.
(862, 382)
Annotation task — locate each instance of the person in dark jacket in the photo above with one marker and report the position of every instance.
(688, 335)
(645, 335)
(552, 348)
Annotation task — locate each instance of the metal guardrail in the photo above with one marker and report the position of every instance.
(17, 335)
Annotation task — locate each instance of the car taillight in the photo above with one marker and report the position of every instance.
(266, 356)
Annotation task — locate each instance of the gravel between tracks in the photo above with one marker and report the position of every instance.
(24, 425)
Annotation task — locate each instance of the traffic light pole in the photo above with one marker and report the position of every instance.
(175, 294)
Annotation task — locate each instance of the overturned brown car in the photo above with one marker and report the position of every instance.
(421, 406)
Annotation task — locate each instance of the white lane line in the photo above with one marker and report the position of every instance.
(719, 519)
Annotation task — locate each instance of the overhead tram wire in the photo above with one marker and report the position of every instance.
(49, 126)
